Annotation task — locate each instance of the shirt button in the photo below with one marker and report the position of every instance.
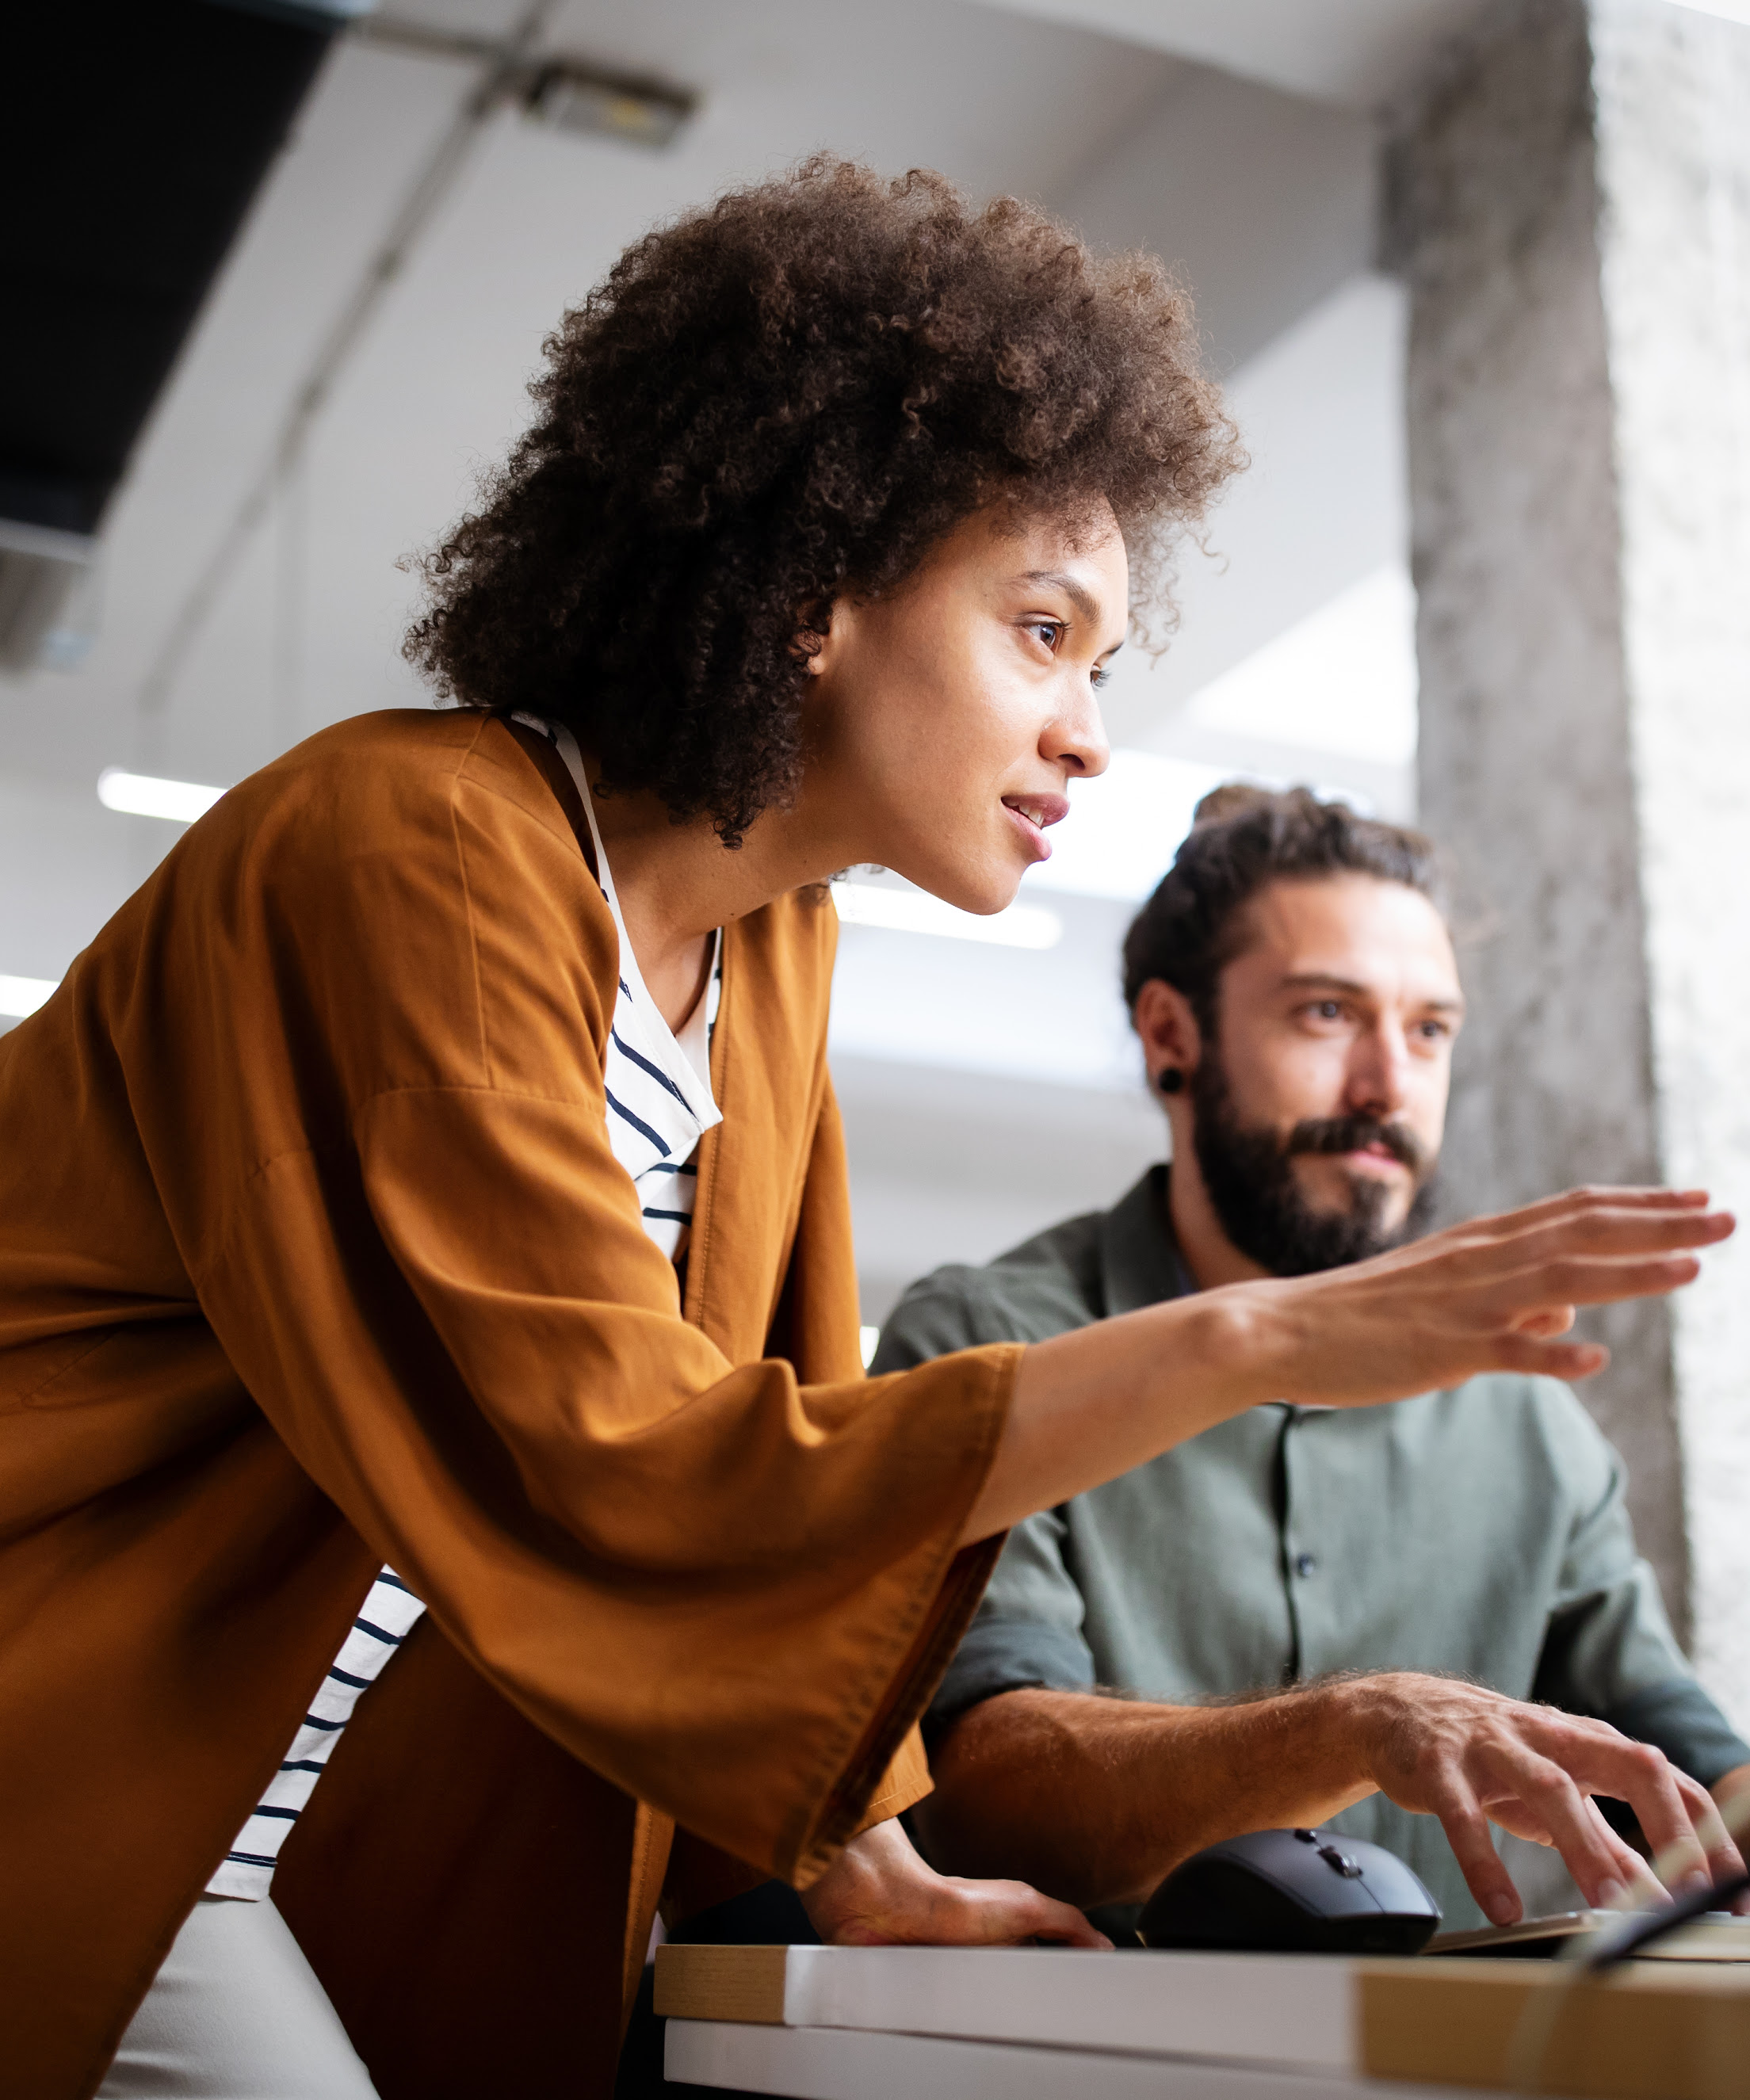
(1304, 1563)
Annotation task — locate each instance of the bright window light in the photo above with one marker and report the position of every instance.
(19, 996)
(1343, 679)
(867, 1339)
(1727, 11)
(181, 801)
(912, 911)
(1123, 828)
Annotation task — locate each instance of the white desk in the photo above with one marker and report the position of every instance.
(825, 2063)
(1056, 2023)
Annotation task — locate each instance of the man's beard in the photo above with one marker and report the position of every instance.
(1249, 1175)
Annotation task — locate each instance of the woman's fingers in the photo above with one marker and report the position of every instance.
(1559, 1285)
(1613, 1234)
(1570, 1362)
(1572, 1202)
(1500, 1295)
(880, 1893)
(1006, 1914)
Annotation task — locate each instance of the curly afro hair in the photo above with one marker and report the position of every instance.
(796, 392)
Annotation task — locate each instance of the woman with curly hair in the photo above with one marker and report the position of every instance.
(424, 1237)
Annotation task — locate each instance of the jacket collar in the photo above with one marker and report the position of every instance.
(1139, 1261)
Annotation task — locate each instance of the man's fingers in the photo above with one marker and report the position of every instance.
(1590, 1850)
(1467, 1832)
(1683, 1827)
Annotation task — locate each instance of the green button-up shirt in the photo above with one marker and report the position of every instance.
(1480, 1531)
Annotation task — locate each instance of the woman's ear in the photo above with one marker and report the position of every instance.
(1172, 1042)
(813, 635)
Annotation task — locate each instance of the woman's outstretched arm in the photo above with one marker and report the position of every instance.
(1496, 1294)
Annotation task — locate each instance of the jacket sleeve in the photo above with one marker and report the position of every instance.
(1610, 1650)
(725, 1587)
(1028, 1629)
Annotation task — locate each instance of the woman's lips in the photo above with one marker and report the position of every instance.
(1031, 814)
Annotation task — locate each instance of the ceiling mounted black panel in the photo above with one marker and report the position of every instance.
(133, 137)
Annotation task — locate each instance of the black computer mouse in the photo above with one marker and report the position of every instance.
(1291, 1892)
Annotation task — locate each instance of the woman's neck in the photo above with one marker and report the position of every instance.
(678, 883)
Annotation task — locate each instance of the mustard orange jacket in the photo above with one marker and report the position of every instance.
(314, 1255)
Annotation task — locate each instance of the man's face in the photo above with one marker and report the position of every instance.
(1318, 1104)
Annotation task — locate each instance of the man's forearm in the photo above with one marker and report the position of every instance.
(1093, 1800)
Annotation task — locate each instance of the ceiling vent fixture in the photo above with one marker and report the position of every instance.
(577, 98)
(44, 577)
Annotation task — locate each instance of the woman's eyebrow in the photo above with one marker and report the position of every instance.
(1077, 593)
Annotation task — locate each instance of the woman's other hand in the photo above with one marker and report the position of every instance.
(1494, 1295)
(879, 1892)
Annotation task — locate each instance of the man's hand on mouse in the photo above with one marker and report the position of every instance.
(1096, 1799)
(1442, 1747)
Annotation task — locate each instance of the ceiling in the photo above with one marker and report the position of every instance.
(1355, 53)
(1255, 181)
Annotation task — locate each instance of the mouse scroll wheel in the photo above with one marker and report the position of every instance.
(1340, 1862)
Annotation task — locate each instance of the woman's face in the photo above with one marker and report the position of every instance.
(946, 719)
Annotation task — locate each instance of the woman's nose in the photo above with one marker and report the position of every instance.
(1077, 742)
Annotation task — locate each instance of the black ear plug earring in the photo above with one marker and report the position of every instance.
(1171, 1079)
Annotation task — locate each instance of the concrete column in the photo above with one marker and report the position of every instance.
(1569, 204)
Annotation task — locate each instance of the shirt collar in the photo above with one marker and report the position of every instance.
(1139, 1260)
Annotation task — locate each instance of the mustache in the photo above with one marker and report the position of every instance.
(1354, 1133)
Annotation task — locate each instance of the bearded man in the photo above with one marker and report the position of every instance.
(1364, 1619)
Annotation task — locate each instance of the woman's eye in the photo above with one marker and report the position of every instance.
(1102, 675)
(1050, 631)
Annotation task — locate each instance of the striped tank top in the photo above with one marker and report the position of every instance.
(659, 1105)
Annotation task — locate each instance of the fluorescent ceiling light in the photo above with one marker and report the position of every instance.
(19, 996)
(913, 912)
(140, 795)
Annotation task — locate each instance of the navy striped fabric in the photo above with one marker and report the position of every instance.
(659, 1089)
(659, 1105)
(384, 1621)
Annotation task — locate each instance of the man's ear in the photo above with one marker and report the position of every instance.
(1168, 1029)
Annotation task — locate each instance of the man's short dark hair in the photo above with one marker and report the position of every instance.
(1242, 839)
(797, 392)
